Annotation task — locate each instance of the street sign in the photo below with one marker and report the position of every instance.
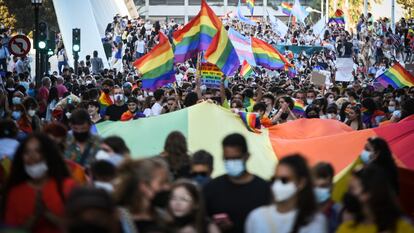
(19, 45)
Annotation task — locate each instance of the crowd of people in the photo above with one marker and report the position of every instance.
(58, 175)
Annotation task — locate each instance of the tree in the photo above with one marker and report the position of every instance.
(354, 10)
(24, 13)
(408, 5)
(7, 19)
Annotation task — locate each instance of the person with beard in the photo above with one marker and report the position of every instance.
(82, 145)
(187, 209)
(142, 193)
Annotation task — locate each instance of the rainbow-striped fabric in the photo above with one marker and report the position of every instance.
(157, 66)
(338, 17)
(105, 101)
(286, 8)
(250, 5)
(246, 70)
(251, 121)
(299, 107)
(267, 56)
(205, 32)
(396, 76)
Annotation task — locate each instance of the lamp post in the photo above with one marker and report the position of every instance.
(36, 4)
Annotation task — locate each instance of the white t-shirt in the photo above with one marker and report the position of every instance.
(156, 109)
(140, 46)
(267, 219)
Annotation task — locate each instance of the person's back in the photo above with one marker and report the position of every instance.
(224, 198)
(97, 64)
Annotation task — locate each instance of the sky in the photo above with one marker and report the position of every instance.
(384, 9)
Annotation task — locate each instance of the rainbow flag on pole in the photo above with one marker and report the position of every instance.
(251, 121)
(267, 56)
(338, 17)
(246, 70)
(286, 8)
(299, 107)
(157, 66)
(205, 32)
(396, 76)
(250, 5)
(104, 101)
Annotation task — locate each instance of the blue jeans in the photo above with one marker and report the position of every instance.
(61, 65)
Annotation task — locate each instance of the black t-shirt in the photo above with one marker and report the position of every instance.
(115, 112)
(235, 200)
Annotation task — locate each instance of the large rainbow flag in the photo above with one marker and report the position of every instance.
(286, 8)
(157, 66)
(205, 32)
(338, 17)
(396, 76)
(104, 101)
(205, 125)
(267, 56)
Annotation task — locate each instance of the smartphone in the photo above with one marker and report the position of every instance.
(222, 217)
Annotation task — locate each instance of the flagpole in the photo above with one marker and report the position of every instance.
(290, 16)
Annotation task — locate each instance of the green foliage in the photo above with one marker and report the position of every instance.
(408, 5)
(6, 18)
(24, 13)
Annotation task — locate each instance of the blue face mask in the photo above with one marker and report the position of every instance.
(322, 194)
(365, 156)
(16, 115)
(16, 100)
(234, 167)
(201, 180)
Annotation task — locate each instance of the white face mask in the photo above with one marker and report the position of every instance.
(31, 112)
(37, 170)
(283, 192)
(331, 100)
(104, 185)
(118, 97)
(391, 108)
(68, 114)
(309, 101)
(322, 194)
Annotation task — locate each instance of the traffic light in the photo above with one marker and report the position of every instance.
(43, 35)
(51, 43)
(76, 40)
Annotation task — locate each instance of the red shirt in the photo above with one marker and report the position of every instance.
(61, 90)
(20, 205)
(42, 97)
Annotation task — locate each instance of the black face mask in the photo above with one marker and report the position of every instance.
(184, 220)
(284, 116)
(106, 90)
(161, 199)
(81, 136)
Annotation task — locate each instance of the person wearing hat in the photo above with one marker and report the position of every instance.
(133, 111)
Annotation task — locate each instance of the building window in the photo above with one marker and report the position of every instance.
(166, 2)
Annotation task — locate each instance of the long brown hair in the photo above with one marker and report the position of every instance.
(198, 210)
(175, 149)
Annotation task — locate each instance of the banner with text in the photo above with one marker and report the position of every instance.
(210, 75)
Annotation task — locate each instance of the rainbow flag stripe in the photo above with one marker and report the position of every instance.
(299, 107)
(287, 8)
(157, 66)
(267, 56)
(396, 76)
(338, 17)
(251, 121)
(246, 70)
(196, 35)
(250, 5)
(105, 101)
(291, 71)
(206, 32)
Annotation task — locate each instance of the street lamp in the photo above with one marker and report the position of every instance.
(36, 5)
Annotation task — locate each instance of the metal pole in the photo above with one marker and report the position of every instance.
(365, 8)
(327, 11)
(393, 16)
(36, 37)
(322, 2)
